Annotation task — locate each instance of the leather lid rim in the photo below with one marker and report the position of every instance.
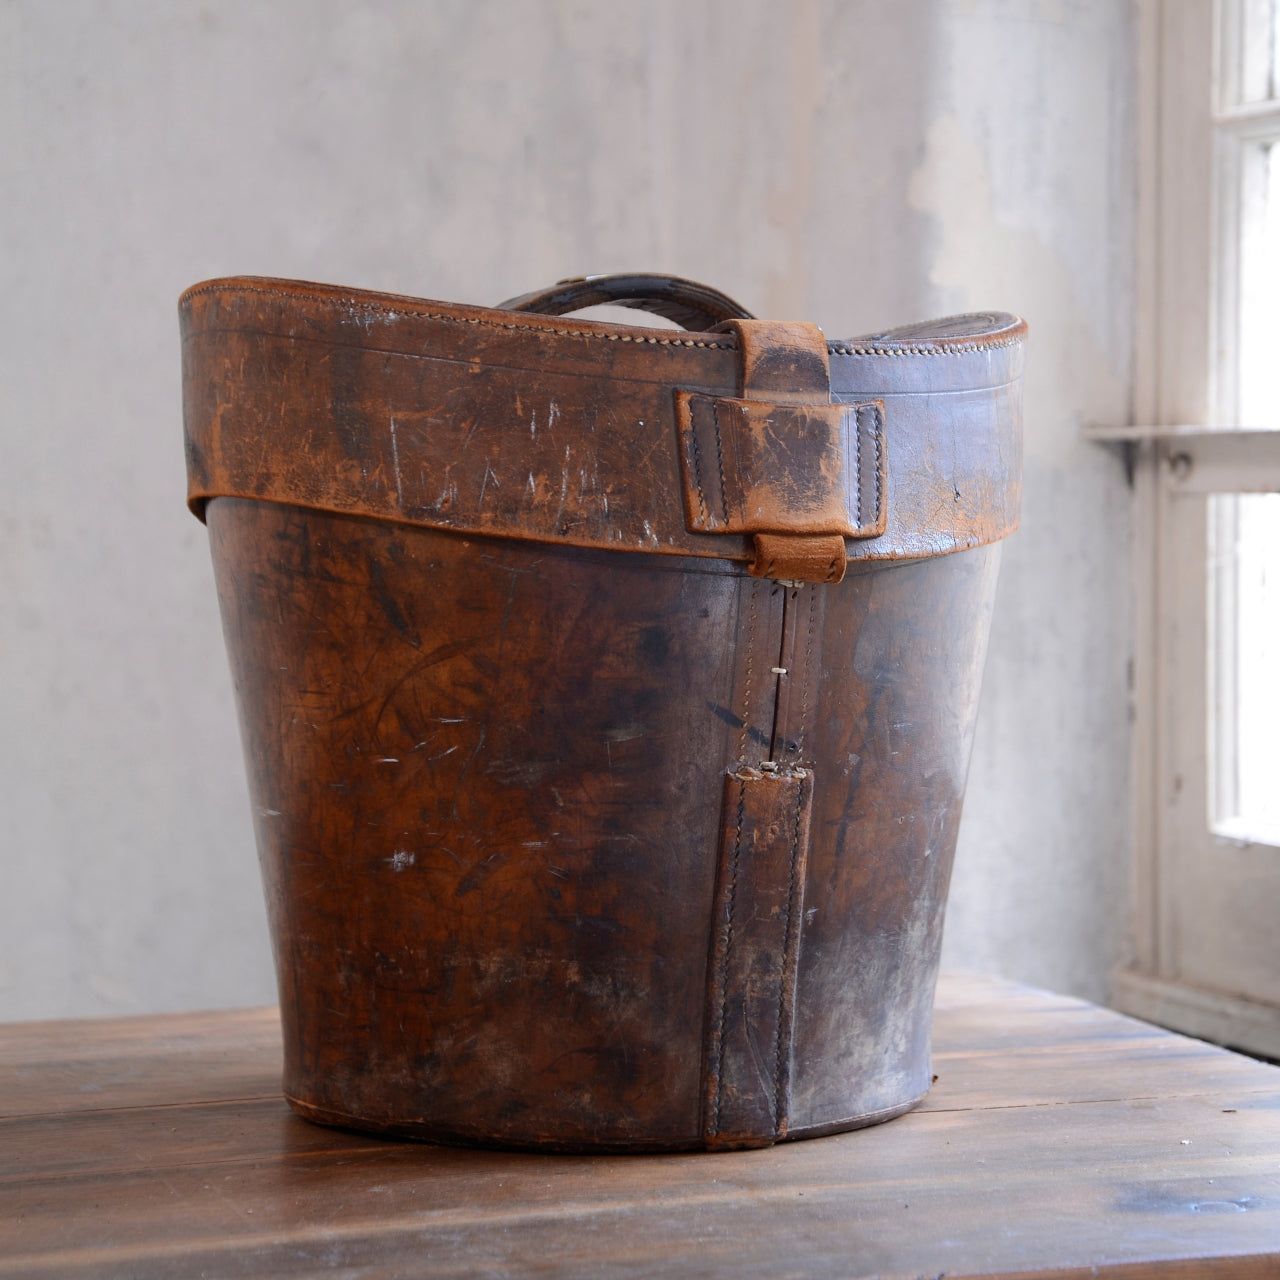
(1006, 329)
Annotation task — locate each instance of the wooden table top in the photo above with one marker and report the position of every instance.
(1060, 1139)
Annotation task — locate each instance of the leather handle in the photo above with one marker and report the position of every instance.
(691, 305)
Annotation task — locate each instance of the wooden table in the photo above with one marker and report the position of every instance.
(1060, 1139)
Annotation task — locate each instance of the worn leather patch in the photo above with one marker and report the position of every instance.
(751, 466)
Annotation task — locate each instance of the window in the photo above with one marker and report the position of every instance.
(1244, 667)
(1206, 923)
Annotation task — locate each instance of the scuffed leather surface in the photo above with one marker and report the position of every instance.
(783, 462)
(754, 467)
(487, 780)
(783, 361)
(552, 430)
(574, 833)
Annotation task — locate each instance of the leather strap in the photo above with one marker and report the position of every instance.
(755, 948)
(690, 304)
(799, 558)
(783, 361)
(765, 822)
(527, 426)
(783, 462)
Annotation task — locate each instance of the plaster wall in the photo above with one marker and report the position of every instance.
(855, 163)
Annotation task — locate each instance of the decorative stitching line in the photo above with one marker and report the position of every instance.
(723, 976)
(697, 467)
(877, 434)
(724, 493)
(869, 411)
(383, 308)
(921, 349)
(857, 453)
(841, 349)
(786, 949)
(804, 684)
(833, 348)
(751, 665)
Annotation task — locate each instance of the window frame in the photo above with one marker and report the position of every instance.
(1191, 147)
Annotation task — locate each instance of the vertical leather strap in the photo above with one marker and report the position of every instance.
(766, 813)
(755, 947)
(786, 362)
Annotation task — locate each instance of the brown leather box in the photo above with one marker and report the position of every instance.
(606, 695)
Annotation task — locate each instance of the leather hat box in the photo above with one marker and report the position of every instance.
(606, 695)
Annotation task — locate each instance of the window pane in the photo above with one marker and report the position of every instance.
(1259, 370)
(1244, 648)
(1260, 36)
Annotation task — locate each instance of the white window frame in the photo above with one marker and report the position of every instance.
(1188, 442)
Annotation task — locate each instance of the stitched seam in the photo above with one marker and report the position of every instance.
(751, 666)
(877, 435)
(960, 349)
(385, 308)
(782, 986)
(697, 467)
(718, 1050)
(833, 348)
(808, 653)
(724, 493)
(857, 453)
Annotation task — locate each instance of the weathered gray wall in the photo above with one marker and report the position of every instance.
(859, 164)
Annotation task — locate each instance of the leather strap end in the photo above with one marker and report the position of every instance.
(783, 361)
(799, 558)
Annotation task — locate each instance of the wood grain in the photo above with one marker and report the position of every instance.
(1060, 1139)
(95, 1063)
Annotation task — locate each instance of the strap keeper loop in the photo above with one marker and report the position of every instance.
(799, 557)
